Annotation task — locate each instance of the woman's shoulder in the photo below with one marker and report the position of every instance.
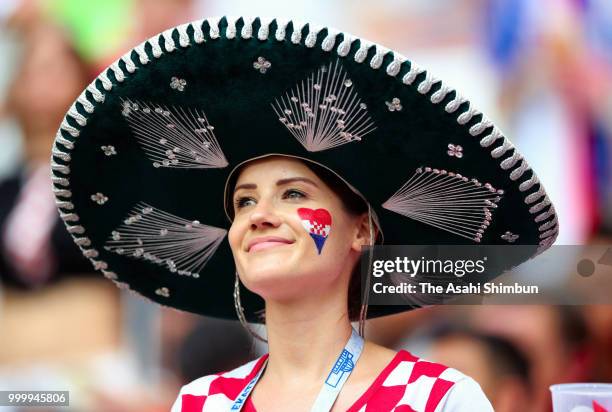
(424, 385)
(215, 391)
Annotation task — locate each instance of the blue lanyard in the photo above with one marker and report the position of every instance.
(338, 375)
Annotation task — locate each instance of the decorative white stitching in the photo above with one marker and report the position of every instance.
(345, 46)
(247, 29)
(110, 275)
(62, 181)
(78, 117)
(501, 150)
(535, 196)
(117, 71)
(66, 127)
(460, 205)
(362, 52)
(467, 115)
(264, 29)
(155, 47)
(90, 253)
(440, 94)
(296, 36)
(511, 161)
(59, 138)
(167, 35)
(528, 184)
(213, 23)
(63, 204)
(412, 73)
(82, 241)
(546, 214)
(311, 37)
(548, 233)
(324, 110)
(175, 137)
(481, 126)
(548, 224)
(101, 265)
(129, 64)
(69, 217)
(106, 83)
(490, 139)
(142, 54)
(198, 34)
(426, 84)
(62, 192)
(76, 229)
(377, 59)
(454, 104)
(545, 244)
(395, 66)
(330, 40)
(97, 94)
(58, 153)
(230, 30)
(281, 29)
(60, 168)
(519, 171)
(183, 36)
(538, 207)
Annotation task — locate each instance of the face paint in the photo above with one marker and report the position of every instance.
(317, 223)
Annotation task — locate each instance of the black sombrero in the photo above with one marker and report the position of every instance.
(141, 160)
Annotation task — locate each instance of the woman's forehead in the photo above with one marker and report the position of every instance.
(273, 168)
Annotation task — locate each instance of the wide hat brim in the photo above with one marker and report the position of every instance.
(147, 148)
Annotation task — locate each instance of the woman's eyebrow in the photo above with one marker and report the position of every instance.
(295, 179)
(245, 186)
(278, 183)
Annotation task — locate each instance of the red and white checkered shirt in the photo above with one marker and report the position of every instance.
(407, 384)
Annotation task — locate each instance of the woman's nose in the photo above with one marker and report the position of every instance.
(264, 215)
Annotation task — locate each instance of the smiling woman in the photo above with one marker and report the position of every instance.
(319, 143)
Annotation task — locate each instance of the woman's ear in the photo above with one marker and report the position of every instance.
(362, 233)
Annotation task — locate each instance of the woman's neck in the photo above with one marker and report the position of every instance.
(305, 338)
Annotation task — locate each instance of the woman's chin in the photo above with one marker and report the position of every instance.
(273, 280)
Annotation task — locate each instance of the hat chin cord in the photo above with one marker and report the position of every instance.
(363, 312)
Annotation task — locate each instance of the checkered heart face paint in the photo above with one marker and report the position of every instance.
(317, 223)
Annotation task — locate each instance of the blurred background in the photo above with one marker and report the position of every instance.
(541, 70)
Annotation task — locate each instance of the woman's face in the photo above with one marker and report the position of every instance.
(275, 255)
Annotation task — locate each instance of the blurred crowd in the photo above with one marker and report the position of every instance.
(543, 70)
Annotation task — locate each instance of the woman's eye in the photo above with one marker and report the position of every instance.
(242, 202)
(293, 194)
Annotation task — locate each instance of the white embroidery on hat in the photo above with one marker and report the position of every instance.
(509, 237)
(182, 246)
(448, 201)
(174, 137)
(324, 110)
(455, 150)
(262, 65)
(178, 84)
(395, 105)
(109, 150)
(99, 198)
(163, 291)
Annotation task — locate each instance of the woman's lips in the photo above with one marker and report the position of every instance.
(267, 245)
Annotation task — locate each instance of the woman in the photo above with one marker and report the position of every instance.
(306, 294)
(318, 143)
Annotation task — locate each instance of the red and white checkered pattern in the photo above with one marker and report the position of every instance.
(407, 384)
(319, 229)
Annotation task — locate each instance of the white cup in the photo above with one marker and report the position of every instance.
(582, 397)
